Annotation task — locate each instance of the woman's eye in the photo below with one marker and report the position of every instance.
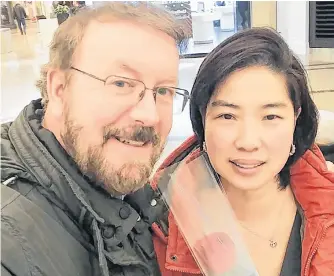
(271, 117)
(226, 116)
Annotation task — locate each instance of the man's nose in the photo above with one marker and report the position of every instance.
(248, 138)
(146, 110)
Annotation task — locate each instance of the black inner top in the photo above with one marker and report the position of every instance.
(292, 260)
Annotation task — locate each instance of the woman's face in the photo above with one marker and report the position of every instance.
(249, 128)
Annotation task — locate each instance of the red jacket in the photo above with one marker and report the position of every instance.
(313, 186)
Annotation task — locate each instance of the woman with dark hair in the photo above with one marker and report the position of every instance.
(255, 120)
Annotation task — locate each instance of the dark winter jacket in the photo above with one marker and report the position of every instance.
(55, 221)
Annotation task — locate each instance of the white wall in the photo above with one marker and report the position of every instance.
(263, 14)
(293, 24)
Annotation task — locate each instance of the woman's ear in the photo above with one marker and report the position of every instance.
(297, 114)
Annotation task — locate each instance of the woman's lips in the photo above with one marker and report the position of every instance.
(247, 168)
(247, 163)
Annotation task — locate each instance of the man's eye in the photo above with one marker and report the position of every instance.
(120, 84)
(165, 91)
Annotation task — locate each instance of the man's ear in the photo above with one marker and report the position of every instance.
(56, 83)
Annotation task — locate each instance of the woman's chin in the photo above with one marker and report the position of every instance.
(240, 183)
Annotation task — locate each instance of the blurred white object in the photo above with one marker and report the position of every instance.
(227, 21)
(47, 28)
(330, 166)
(202, 24)
(325, 134)
(6, 40)
(206, 220)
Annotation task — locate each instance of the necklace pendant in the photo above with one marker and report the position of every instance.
(273, 244)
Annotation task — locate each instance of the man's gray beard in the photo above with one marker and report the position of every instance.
(97, 168)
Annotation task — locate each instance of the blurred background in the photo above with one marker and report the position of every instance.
(308, 28)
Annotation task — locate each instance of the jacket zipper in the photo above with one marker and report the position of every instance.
(161, 235)
(322, 236)
(184, 271)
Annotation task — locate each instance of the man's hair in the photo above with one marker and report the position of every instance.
(257, 47)
(70, 33)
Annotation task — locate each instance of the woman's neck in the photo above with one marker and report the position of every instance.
(252, 207)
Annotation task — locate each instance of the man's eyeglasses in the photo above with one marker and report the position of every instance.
(134, 90)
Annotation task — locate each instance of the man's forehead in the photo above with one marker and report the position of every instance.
(122, 65)
(116, 30)
(139, 49)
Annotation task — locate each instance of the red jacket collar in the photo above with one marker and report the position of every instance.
(313, 184)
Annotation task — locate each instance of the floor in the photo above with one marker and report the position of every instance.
(20, 69)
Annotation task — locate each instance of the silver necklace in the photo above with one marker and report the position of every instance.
(272, 241)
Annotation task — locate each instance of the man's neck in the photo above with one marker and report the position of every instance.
(258, 205)
(51, 124)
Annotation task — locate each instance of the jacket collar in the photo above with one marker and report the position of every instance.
(313, 184)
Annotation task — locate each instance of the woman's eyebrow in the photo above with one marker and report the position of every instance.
(222, 103)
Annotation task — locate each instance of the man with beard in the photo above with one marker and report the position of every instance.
(75, 164)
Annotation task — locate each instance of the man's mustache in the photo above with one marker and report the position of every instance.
(138, 134)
